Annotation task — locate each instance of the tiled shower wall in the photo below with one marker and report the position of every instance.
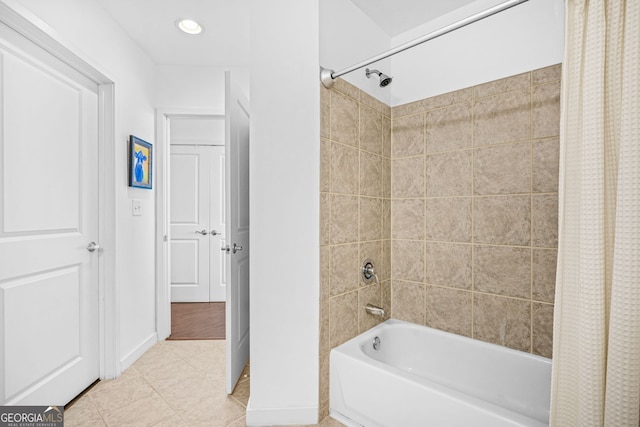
(355, 216)
(455, 198)
(474, 210)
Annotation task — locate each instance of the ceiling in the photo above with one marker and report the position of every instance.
(397, 16)
(225, 40)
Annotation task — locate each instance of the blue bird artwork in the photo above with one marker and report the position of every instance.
(139, 167)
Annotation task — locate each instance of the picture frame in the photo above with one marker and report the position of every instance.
(140, 163)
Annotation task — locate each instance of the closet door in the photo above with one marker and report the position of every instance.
(190, 226)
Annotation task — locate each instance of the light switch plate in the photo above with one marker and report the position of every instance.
(136, 208)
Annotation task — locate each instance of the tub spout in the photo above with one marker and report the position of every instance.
(375, 310)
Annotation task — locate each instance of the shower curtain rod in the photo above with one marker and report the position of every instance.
(328, 76)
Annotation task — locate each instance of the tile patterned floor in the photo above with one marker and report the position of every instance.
(175, 383)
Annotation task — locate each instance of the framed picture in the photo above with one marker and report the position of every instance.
(140, 163)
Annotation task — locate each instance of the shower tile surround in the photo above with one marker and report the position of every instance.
(455, 199)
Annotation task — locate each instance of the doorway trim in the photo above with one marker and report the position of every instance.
(163, 214)
(30, 26)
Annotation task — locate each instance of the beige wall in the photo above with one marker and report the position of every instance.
(455, 198)
(474, 210)
(355, 215)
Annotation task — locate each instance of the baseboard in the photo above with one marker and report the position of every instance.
(281, 416)
(135, 354)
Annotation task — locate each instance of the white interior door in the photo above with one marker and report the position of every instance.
(197, 223)
(48, 217)
(237, 255)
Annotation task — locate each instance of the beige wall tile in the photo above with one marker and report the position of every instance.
(325, 112)
(408, 301)
(408, 136)
(386, 218)
(502, 270)
(449, 174)
(547, 74)
(325, 219)
(407, 177)
(325, 343)
(449, 98)
(502, 118)
(386, 136)
(324, 380)
(372, 251)
(370, 174)
(542, 318)
(344, 318)
(449, 128)
(325, 165)
(546, 110)
(370, 130)
(544, 274)
(408, 109)
(372, 102)
(546, 155)
(325, 272)
(384, 270)
(519, 81)
(407, 219)
(344, 169)
(368, 295)
(502, 169)
(407, 260)
(344, 269)
(449, 310)
(344, 119)
(386, 299)
(370, 218)
(347, 88)
(386, 177)
(503, 321)
(544, 220)
(449, 264)
(344, 219)
(502, 220)
(449, 219)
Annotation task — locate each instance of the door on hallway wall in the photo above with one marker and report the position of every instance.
(49, 254)
(197, 222)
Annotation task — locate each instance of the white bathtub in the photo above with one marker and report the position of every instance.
(423, 377)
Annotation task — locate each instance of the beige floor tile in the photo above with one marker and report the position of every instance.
(242, 422)
(83, 413)
(241, 392)
(212, 412)
(116, 394)
(173, 421)
(144, 412)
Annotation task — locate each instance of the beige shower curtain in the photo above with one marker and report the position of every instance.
(596, 361)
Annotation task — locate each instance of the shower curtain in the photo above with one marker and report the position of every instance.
(596, 361)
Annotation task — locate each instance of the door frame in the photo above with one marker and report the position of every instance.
(163, 212)
(24, 22)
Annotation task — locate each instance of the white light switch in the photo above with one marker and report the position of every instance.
(137, 208)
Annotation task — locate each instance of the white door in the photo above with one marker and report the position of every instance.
(237, 231)
(197, 223)
(48, 217)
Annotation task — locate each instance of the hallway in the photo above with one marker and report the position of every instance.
(175, 383)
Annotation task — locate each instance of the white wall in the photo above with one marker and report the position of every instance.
(195, 87)
(348, 36)
(523, 38)
(85, 28)
(284, 180)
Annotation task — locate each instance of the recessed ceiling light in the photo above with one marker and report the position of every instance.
(189, 26)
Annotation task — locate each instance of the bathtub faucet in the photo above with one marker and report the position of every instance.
(375, 310)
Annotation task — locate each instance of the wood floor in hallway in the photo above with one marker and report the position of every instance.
(197, 321)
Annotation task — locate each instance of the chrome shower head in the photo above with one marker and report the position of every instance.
(384, 79)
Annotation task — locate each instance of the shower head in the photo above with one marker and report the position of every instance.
(384, 79)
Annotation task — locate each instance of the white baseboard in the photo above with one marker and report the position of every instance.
(135, 354)
(281, 416)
